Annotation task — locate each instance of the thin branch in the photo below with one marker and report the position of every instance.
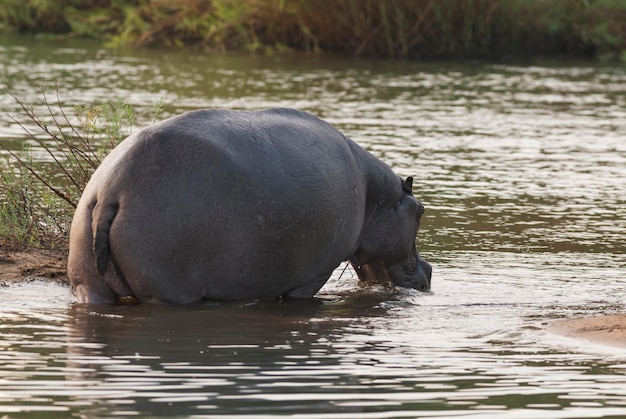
(45, 147)
(56, 191)
(85, 155)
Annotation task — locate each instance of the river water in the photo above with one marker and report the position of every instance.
(522, 169)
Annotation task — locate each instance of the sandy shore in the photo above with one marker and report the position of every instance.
(603, 330)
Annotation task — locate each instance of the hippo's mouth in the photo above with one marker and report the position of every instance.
(377, 272)
(374, 272)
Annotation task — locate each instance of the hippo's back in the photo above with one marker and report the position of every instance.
(273, 148)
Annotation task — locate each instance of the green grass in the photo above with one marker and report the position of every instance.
(414, 29)
(37, 199)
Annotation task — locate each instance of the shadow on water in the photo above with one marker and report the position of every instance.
(211, 356)
(194, 328)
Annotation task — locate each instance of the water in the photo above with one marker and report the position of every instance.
(522, 170)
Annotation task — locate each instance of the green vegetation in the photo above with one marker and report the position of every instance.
(37, 201)
(415, 29)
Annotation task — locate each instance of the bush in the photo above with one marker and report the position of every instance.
(37, 200)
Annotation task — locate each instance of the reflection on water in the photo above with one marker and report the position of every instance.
(522, 170)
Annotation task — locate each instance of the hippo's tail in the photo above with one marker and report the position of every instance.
(103, 215)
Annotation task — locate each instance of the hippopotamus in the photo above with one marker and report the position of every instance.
(236, 205)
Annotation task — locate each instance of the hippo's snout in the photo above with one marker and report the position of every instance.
(415, 275)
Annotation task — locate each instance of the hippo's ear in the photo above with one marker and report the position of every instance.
(407, 185)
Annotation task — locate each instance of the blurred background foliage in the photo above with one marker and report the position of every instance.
(414, 29)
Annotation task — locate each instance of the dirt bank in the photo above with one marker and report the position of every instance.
(18, 264)
(604, 330)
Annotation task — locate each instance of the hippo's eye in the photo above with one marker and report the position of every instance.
(418, 214)
(420, 210)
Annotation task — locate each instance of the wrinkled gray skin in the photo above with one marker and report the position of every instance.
(240, 205)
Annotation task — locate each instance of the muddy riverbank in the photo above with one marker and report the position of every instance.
(21, 264)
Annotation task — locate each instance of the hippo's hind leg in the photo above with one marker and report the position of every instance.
(82, 266)
(87, 293)
(88, 285)
(110, 289)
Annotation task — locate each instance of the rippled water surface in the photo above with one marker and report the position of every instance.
(522, 169)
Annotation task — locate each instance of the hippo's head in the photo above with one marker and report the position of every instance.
(387, 252)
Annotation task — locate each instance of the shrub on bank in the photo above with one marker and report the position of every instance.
(452, 29)
(37, 200)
